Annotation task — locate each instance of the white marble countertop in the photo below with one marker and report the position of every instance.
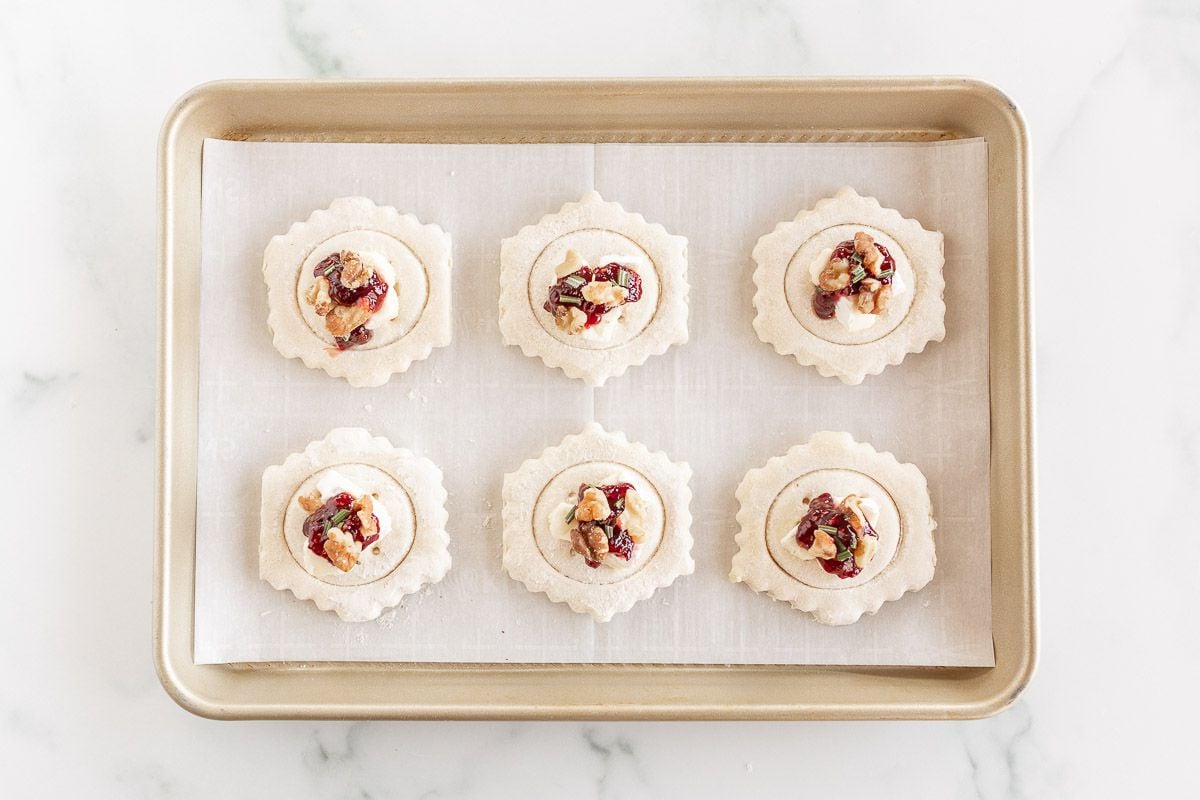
(1112, 96)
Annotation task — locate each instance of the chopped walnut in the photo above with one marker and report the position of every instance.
(864, 243)
(341, 320)
(569, 319)
(590, 541)
(873, 261)
(364, 507)
(883, 298)
(605, 293)
(855, 517)
(592, 506)
(310, 502)
(571, 263)
(835, 276)
(864, 551)
(318, 296)
(823, 545)
(355, 273)
(342, 550)
(864, 302)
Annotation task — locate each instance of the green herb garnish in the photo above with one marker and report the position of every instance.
(339, 518)
(832, 531)
(568, 300)
(571, 514)
(574, 281)
(329, 270)
(857, 274)
(622, 278)
(887, 273)
(844, 555)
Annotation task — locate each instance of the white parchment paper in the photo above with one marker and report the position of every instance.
(725, 402)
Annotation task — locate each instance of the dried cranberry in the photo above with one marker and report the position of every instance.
(620, 544)
(360, 335)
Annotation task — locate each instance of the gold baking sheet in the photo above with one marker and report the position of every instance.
(588, 111)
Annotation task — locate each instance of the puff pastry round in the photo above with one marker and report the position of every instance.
(539, 513)
(775, 497)
(413, 552)
(785, 275)
(415, 256)
(594, 233)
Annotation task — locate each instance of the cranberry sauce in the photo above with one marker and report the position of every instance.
(318, 523)
(370, 296)
(568, 291)
(619, 542)
(824, 303)
(824, 513)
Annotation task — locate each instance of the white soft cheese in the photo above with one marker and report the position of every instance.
(334, 482)
(390, 308)
(869, 508)
(845, 312)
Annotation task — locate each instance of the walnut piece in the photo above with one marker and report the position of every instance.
(863, 243)
(569, 319)
(605, 293)
(318, 296)
(852, 508)
(590, 541)
(864, 302)
(592, 506)
(823, 545)
(883, 298)
(310, 502)
(864, 551)
(341, 320)
(835, 276)
(571, 263)
(355, 273)
(342, 550)
(364, 507)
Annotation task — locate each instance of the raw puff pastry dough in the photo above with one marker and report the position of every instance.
(595, 454)
(420, 255)
(594, 229)
(770, 499)
(416, 488)
(784, 288)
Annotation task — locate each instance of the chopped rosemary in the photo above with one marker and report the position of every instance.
(339, 518)
(887, 273)
(844, 554)
(329, 270)
(622, 278)
(857, 274)
(574, 281)
(832, 531)
(856, 260)
(569, 300)
(571, 514)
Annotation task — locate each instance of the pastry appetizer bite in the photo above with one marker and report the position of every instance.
(834, 528)
(849, 287)
(593, 289)
(353, 524)
(598, 523)
(359, 290)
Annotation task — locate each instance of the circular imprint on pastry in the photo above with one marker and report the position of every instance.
(392, 548)
(790, 505)
(799, 288)
(564, 487)
(596, 246)
(411, 286)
